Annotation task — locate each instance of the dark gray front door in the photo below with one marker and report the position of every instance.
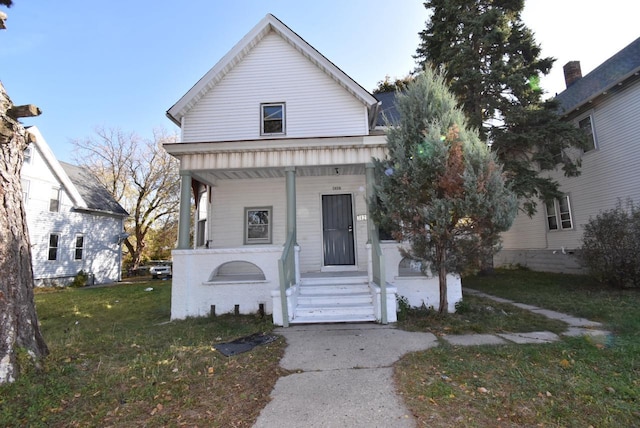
(337, 230)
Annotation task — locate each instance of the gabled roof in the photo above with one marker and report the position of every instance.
(85, 192)
(96, 197)
(243, 47)
(615, 70)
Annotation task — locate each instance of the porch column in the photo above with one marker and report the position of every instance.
(184, 222)
(372, 230)
(377, 259)
(290, 172)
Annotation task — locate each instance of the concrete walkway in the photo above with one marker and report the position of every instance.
(344, 372)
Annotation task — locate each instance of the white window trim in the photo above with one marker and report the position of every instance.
(49, 247)
(58, 199)
(28, 154)
(284, 118)
(257, 241)
(594, 136)
(76, 248)
(557, 214)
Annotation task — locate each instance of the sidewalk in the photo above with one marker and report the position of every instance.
(344, 372)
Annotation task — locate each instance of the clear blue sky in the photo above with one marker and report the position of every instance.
(124, 63)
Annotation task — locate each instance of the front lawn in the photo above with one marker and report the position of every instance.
(116, 361)
(577, 382)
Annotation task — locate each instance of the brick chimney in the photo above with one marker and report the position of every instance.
(572, 72)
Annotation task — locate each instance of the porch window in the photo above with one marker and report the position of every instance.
(586, 125)
(559, 214)
(272, 119)
(257, 228)
(53, 246)
(79, 248)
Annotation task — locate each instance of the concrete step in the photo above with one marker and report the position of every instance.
(333, 289)
(337, 280)
(335, 299)
(363, 309)
(332, 319)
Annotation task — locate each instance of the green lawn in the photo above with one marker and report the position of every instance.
(578, 382)
(115, 361)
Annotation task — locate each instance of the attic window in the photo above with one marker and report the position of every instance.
(272, 119)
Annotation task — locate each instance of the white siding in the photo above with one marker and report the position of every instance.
(101, 255)
(231, 197)
(274, 71)
(609, 173)
(526, 232)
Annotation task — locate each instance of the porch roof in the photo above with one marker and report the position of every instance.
(254, 159)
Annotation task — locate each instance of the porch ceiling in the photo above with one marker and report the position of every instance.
(210, 176)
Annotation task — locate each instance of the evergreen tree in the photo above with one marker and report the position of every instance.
(492, 63)
(440, 189)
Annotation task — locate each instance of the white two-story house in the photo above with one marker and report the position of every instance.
(275, 150)
(605, 103)
(74, 223)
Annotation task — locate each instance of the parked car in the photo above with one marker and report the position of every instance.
(160, 268)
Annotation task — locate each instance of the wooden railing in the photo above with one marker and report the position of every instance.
(379, 275)
(287, 270)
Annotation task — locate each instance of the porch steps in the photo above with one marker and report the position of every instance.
(334, 299)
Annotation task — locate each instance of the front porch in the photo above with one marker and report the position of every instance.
(296, 242)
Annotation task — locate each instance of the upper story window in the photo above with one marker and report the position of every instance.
(559, 214)
(54, 200)
(272, 119)
(586, 125)
(28, 153)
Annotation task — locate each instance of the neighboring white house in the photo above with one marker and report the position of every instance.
(606, 104)
(276, 145)
(74, 224)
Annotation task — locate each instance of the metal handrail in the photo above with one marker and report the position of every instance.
(287, 271)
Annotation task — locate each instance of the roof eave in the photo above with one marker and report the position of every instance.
(603, 91)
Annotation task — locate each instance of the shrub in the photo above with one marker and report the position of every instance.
(611, 246)
(80, 280)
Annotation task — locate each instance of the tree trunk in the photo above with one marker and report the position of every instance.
(442, 278)
(19, 328)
